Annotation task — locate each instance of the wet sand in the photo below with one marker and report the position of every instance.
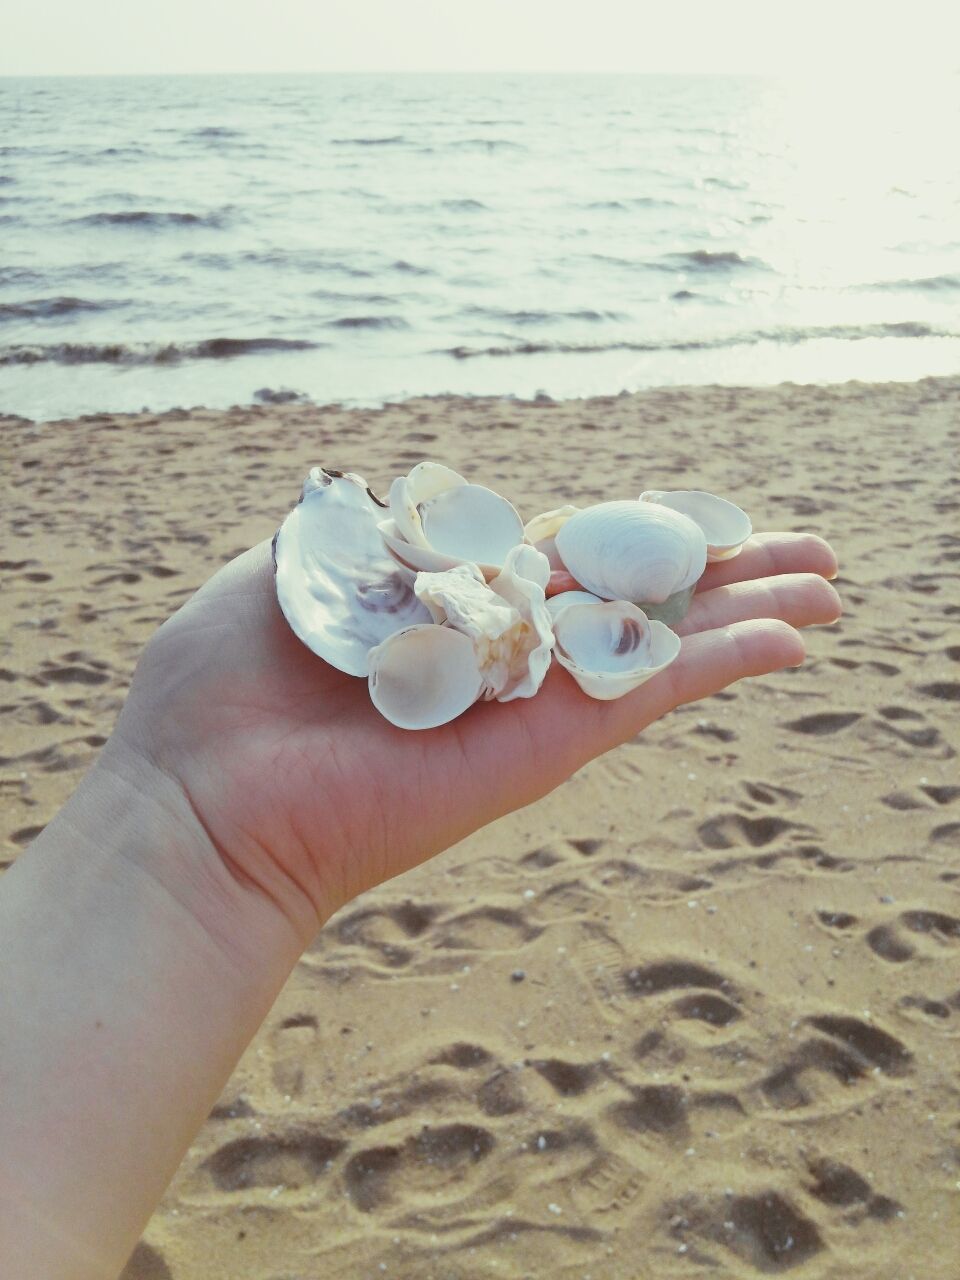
(698, 1013)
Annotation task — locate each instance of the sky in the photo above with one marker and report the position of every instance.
(778, 37)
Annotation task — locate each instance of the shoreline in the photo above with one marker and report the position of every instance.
(280, 401)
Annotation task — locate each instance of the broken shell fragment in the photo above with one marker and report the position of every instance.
(636, 551)
(338, 589)
(507, 620)
(610, 647)
(435, 511)
(725, 527)
(541, 532)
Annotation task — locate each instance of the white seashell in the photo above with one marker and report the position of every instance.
(425, 481)
(725, 527)
(424, 676)
(338, 589)
(541, 532)
(436, 510)
(556, 604)
(522, 583)
(610, 648)
(420, 559)
(507, 620)
(636, 551)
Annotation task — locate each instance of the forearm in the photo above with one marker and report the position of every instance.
(133, 973)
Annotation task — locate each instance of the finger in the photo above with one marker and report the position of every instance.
(802, 599)
(767, 555)
(711, 660)
(708, 662)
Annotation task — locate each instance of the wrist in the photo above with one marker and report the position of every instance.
(137, 820)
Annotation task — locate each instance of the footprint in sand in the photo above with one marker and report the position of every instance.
(839, 1186)
(823, 723)
(763, 1229)
(729, 830)
(292, 1043)
(146, 1263)
(852, 1053)
(921, 798)
(386, 934)
(889, 942)
(896, 722)
(436, 1163)
(292, 1159)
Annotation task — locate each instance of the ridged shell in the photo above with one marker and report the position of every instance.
(725, 526)
(636, 551)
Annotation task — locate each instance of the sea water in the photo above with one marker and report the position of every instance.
(193, 240)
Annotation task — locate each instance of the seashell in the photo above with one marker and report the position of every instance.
(503, 644)
(556, 604)
(424, 676)
(435, 513)
(521, 583)
(541, 532)
(637, 551)
(507, 620)
(611, 647)
(338, 589)
(725, 527)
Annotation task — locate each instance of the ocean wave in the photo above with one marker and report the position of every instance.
(541, 317)
(300, 260)
(396, 140)
(928, 284)
(411, 268)
(481, 144)
(708, 260)
(49, 308)
(151, 219)
(848, 333)
(149, 353)
(367, 322)
(215, 131)
(6, 180)
(19, 275)
(357, 299)
(463, 206)
(626, 203)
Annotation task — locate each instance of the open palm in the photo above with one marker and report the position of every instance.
(310, 796)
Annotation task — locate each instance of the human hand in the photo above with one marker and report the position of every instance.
(309, 796)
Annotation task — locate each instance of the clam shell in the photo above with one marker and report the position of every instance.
(725, 526)
(541, 532)
(424, 482)
(556, 604)
(453, 522)
(636, 551)
(424, 676)
(610, 648)
(338, 589)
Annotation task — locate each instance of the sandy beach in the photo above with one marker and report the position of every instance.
(697, 1014)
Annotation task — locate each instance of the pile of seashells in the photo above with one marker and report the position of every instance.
(441, 596)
